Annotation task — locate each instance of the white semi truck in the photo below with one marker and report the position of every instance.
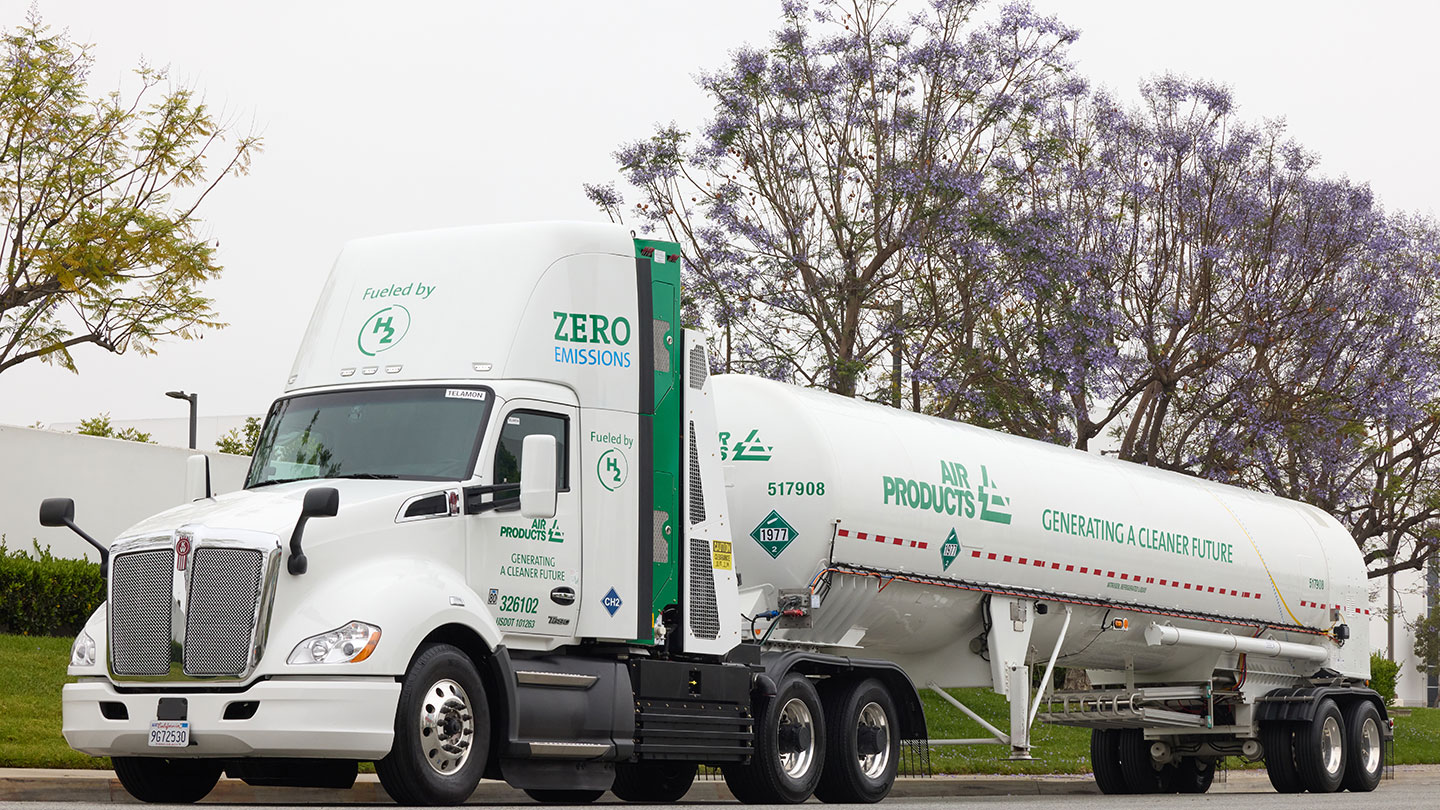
(503, 522)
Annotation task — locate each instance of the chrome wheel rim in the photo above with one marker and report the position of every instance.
(874, 765)
(797, 715)
(1370, 745)
(1330, 745)
(447, 726)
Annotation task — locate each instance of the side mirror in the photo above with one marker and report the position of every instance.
(57, 512)
(319, 502)
(537, 476)
(197, 477)
(61, 512)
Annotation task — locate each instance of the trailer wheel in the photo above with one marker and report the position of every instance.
(860, 744)
(167, 781)
(1136, 765)
(560, 796)
(789, 748)
(442, 731)
(1320, 749)
(1279, 742)
(1105, 761)
(662, 781)
(1364, 747)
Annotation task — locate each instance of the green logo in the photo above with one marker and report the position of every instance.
(749, 448)
(949, 550)
(383, 330)
(612, 469)
(774, 534)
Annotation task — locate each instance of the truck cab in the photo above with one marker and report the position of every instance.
(484, 532)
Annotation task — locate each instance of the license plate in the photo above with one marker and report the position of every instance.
(169, 734)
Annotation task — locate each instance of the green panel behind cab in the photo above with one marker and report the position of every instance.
(666, 423)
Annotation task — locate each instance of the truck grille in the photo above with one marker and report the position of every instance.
(140, 612)
(220, 621)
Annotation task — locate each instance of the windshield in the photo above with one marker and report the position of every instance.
(428, 434)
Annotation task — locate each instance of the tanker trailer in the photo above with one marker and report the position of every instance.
(1212, 620)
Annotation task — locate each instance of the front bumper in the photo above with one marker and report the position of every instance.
(341, 719)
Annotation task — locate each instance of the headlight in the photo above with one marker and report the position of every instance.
(82, 652)
(350, 644)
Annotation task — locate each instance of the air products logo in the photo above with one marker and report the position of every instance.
(383, 330)
(749, 448)
(955, 494)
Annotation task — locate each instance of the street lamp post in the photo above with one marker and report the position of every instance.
(194, 399)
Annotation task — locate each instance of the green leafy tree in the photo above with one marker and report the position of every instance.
(100, 426)
(99, 195)
(241, 441)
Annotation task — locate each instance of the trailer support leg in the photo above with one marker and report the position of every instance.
(1000, 736)
(1019, 712)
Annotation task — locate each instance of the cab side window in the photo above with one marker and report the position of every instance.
(518, 425)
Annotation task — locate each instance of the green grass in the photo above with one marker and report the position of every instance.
(32, 670)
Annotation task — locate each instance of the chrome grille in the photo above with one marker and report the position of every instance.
(220, 621)
(140, 594)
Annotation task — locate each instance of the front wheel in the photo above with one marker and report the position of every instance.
(789, 748)
(861, 742)
(442, 731)
(167, 781)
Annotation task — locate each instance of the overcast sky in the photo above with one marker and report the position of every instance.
(454, 113)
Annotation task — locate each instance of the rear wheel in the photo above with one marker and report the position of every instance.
(1320, 749)
(168, 781)
(789, 747)
(1364, 747)
(1279, 742)
(1105, 761)
(660, 781)
(860, 744)
(564, 796)
(1136, 766)
(442, 731)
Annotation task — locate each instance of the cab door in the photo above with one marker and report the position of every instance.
(529, 569)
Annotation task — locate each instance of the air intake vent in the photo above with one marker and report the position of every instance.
(660, 546)
(662, 351)
(692, 481)
(704, 619)
(220, 624)
(140, 593)
(699, 367)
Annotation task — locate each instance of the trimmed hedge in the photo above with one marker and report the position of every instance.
(44, 595)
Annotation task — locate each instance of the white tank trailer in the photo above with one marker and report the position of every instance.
(1211, 620)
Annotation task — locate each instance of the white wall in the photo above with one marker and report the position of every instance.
(174, 431)
(114, 484)
(1409, 606)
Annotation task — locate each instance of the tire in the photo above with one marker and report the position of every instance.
(1136, 766)
(1320, 749)
(1364, 747)
(789, 748)
(1279, 742)
(1105, 761)
(861, 743)
(442, 731)
(564, 796)
(167, 781)
(664, 782)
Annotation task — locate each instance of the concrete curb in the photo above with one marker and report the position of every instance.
(94, 787)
